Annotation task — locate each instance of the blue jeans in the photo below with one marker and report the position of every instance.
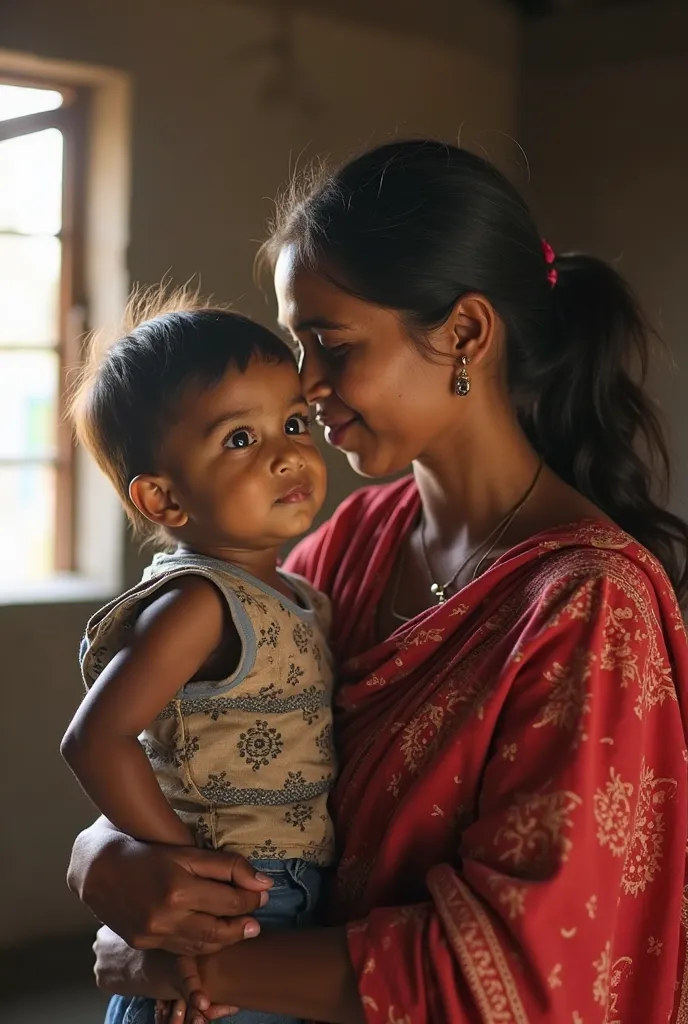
(293, 897)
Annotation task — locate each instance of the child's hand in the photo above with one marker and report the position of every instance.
(197, 1009)
(166, 1013)
(163, 1011)
(215, 1012)
(191, 984)
(180, 1013)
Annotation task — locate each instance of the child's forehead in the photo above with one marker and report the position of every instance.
(264, 386)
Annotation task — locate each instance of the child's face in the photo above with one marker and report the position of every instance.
(241, 462)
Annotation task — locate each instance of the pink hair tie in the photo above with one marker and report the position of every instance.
(550, 256)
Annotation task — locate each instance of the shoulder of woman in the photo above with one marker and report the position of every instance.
(604, 578)
(606, 614)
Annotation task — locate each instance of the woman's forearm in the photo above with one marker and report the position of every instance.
(305, 974)
(88, 846)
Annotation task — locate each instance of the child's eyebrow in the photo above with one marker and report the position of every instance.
(227, 417)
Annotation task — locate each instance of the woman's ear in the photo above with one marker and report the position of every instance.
(153, 497)
(473, 322)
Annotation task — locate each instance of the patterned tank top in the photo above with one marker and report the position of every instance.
(247, 762)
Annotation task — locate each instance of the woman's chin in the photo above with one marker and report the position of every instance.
(376, 463)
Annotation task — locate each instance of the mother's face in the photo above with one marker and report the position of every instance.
(379, 400)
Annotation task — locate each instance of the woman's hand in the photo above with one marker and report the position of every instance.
(121, 970)
(187, 901)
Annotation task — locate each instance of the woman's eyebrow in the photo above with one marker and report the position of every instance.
(316, 323)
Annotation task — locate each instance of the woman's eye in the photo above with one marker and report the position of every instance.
(300, 424)
(242, 438)
(336, 353)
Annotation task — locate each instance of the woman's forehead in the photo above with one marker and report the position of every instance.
(307, 300)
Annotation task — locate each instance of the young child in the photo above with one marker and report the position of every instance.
(207, 718)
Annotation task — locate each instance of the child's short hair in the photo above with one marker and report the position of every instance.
(128, 391)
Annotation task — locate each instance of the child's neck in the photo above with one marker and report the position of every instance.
(261, 563)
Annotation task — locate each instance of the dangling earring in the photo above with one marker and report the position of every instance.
(463, 381)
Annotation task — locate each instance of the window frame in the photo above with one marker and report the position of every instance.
(72, 120)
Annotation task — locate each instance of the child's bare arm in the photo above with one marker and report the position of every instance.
(172, 639)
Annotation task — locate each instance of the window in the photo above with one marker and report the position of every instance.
(42, 187)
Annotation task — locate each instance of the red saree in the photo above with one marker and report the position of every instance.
(512, 808)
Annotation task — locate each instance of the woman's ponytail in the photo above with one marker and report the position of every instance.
(590, 417)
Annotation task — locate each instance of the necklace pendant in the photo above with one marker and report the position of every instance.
(437, 591)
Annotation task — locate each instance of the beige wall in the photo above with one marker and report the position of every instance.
(605, 100)
(205, 154)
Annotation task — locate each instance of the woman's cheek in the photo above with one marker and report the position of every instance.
(366, 393)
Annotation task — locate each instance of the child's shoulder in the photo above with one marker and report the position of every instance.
(168, 601)
(188, 596)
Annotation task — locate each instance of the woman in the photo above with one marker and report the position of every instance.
(512, 804)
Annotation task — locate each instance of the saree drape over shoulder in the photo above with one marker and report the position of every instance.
(512, 809)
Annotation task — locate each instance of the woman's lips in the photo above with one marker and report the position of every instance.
(335, 432)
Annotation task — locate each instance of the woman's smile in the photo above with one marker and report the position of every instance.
(337, 429)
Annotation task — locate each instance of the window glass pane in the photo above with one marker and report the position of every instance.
(31, 183)
(17, 101)
(29, 290)
(27, 516)
(28, 414)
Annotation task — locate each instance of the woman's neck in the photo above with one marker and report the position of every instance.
(468, 484)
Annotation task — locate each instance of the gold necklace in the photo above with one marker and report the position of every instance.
(439, 590)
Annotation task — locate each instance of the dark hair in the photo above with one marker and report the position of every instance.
(129, 390)
(415, 225)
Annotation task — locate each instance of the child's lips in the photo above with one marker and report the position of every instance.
(296, 494)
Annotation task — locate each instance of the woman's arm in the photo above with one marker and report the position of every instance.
(305, 974)
(173, 637)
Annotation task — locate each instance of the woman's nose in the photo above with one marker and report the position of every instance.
(314, 376)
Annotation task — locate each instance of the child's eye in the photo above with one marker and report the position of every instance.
(241, 438)
(299, 424)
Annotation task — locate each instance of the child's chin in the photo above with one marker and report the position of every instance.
(297, 522)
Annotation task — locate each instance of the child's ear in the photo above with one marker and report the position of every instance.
(154, 499)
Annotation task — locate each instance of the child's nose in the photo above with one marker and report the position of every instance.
(288, 458)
